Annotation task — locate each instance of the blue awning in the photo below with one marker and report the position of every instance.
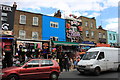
(6, 38)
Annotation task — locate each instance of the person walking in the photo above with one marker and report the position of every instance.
(66, 62)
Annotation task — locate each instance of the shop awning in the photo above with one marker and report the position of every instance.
(87, 44)
(65, 43)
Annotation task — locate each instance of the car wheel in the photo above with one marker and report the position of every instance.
(13, 77)
(54, 76)
(97, 71)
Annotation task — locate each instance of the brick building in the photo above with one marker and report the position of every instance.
(27, 25)
(89, 32)
(101, 35)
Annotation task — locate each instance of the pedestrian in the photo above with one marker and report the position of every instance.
(66, 62)
(61, 60)
(71, 64)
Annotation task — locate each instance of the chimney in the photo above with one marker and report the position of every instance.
(14, 5)
(58, 14)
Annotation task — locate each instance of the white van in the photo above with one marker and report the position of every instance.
(100, 59)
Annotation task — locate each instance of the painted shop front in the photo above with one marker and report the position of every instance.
(32, 49)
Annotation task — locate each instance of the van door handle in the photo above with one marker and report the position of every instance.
(37, 69)
(107, 60)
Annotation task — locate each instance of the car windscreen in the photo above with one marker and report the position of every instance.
(90, 55)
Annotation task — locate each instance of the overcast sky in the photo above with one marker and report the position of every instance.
(105, 11)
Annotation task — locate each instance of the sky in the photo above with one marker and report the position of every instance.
(104, 11)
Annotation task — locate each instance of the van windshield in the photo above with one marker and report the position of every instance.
(90, 55)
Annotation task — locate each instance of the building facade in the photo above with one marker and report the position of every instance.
(53, 28)
(27, 25)
(112, 38)
(89, 29)
(73, 29)
(101, 35)
(6, 34)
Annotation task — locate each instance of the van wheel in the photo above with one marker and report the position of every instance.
(118, 68)
(13, 77)
(54, 76)
(97, 71)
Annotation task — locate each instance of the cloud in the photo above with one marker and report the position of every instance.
(94, 15)
(65, 5)
(112, 24)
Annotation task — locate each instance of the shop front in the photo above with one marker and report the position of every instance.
(31, 49)
(62, 48)
(6, 46)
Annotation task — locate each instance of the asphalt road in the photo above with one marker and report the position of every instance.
(75, 75)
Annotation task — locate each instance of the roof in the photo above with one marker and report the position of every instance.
(105, 48)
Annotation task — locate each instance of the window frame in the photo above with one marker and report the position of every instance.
(87, 33)
(22, 21)
(86, 23)
(54, 24)
(35, 34)
(23, 34)
(35, 21)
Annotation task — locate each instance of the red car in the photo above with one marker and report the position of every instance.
(33, 69)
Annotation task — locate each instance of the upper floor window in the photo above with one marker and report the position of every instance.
(100, 35)
(91, 24)
(74, 29)
(87, 33)
(86, 23)
(22, 34)
(54, 24)
(35, 21)
(110, 36)
(34, 35)
(4, 14)
(104, 35)
(22, 19)
(3, 18)
(92, 34)
(114, 38)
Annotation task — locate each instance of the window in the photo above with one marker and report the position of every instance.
(33, 63)
(3, 18)
(54, 38)
(73, 39)
(22, 34)
(87, 34)
(100, 35)
(114, 37)
(110, 36)
(104, 35)
(91, 25)
(46, 63)
(34, 35)
(4, 14)
(74, 29)
(22, 19)
(86, 23)
(54, 24)
(92, 34)
(35, 21)
(101, 55)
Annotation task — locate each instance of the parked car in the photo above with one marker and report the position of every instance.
(33, 69)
